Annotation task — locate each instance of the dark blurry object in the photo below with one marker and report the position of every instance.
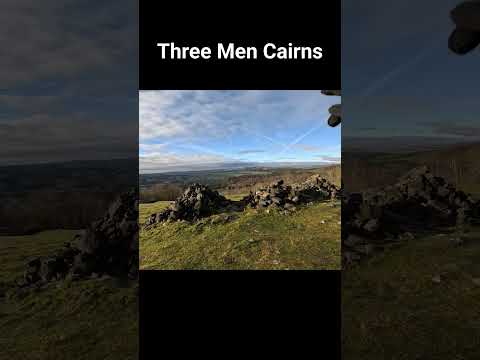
(331, 92)
(335, 110)
(109, 246)
(466, 35)
(335, 115)
(418, 201)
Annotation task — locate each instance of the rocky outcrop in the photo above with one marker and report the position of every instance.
(419, 201)
(198, 201)
(108, 247)
(287, 197)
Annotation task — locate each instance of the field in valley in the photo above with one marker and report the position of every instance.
(168, 186)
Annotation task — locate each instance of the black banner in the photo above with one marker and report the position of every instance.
(220, 314)
(248, 47)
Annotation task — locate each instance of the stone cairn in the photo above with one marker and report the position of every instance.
(199, 201)
(108, 247)
(286, 197)
(418, 202)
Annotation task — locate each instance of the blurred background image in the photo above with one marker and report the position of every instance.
(68, 179)
(407, 93)
(411, 170)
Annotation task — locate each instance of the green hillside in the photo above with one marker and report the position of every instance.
(306, 239)
(147, 209)
(63, 320)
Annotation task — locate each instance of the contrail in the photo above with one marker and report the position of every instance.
(272, 140)
(275, 142)
(301, 137)
(376, 85)
(404, 66)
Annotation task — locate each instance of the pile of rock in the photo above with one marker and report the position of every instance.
(419, 201)
(286, 197)
(108, 247)
(198, 201)
(275, 195)
(323, 185)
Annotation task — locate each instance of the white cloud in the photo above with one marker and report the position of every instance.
(220, 114)
(164, 161)
(205, 126)
(152, 148)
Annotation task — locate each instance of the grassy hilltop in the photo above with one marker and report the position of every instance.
(307, 239)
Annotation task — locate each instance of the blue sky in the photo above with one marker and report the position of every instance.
(181, 130)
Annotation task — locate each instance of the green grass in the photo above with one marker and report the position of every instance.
(254, 240)
(235, 197)
(147, 209)
(392, 309)
(89, 319)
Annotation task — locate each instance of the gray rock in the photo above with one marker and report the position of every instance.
(277, 194)
(276, 200)
(263, 203)
(196, 202)
(290, 207)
